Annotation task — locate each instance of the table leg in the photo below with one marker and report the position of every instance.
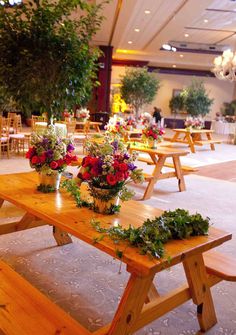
(212, 145)
(200, 291)
(179, 173)
(190, 142)
(1, 202)
(61, 236)
(156, 173)
(130, 305)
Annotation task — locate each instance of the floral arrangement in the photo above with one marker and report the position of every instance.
(108, 166)
(68, 113)
(49, 153)
(153, 132)
(82, 114)
(116, 126)
(146, 119)
(194, 122)
(130, 122)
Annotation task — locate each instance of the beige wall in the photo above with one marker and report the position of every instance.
(221, 91)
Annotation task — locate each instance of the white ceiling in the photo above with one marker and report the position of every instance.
(168, 21)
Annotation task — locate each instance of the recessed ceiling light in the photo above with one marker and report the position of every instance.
(186, 35)
(147, 11)
(130, 42)
(173, 65)
(173, 49)
(205, 20)
(181, 56)
(137, 30)
(166, 47)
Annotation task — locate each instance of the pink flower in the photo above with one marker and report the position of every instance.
(111, 179)
(53, 165)
(35, 160)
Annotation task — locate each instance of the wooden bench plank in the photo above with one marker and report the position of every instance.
(26, 311)
(185, 168)
(220, 265)
(207, 142)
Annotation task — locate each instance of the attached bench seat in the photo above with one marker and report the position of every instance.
(220, 265)
(202, 142)
(185, 168)
(26, 311)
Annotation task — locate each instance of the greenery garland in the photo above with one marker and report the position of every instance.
(153, 234)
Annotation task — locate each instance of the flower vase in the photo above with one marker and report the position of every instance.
(49, 182)
(152, 144)
(105, 201)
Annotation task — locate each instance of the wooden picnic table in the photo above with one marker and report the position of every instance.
(194, 137)
(158, 159)
(140, 303)
(87, 125)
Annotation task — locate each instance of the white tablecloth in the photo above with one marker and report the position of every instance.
(60, 128)
(223, 128)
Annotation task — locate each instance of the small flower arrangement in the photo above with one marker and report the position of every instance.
(153, 132)
(68, 113)
(146, 119)
(82, 114)
(108, 166)
(131, 123)
(116, 126)
(194, 123)
(49, 153)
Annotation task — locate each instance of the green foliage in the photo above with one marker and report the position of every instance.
(196, 100)
(139, 87)
(229, 108)
(46, 62)
(151, 236)
(71, 186)
(176, 103)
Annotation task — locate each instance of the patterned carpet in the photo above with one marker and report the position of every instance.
(85, 282)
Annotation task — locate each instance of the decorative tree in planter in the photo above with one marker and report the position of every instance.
(46, 61)
(196, 100)
(139, 87)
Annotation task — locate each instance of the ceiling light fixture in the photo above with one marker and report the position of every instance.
(174, 65)
(130, 42)
(168, 47)
(186, 35)
(137, 30)
(181, 56)
(225, 66)
(205, 20)
(147, 11)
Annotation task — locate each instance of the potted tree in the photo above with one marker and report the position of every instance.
(176, 105)
(46, 62)
(196, 100)
(139, 87)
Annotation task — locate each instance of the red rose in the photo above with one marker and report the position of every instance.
(119, 176)
(42, 158)
(35, 160)
(111, 179)
(123, 167)
(60, 162)
(53, 165)
(30, 153)
(86, 176)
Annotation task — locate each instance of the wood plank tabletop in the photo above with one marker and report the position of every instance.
(59, 209)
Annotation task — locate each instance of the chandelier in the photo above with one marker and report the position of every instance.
(225, 66)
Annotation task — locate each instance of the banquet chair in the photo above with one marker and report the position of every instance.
(19, 139)
(70, 126)
(4, 136)
(11, 116)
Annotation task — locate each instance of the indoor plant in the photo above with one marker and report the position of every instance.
(152, 134)
(108, 168)
(196, 99)
(82, 114)
(139, 87)
(49, 155)
(46, 61)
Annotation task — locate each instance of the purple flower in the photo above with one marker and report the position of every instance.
(49, 153)
(70, 147)
(115, 145)
(131, 166)
(126, 156)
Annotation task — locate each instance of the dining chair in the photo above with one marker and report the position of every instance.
(4, 136)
